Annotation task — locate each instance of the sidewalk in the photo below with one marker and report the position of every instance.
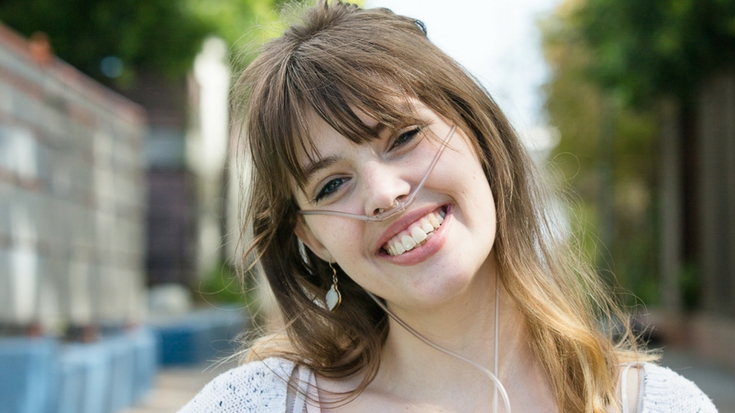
(716, 381)
(176, 386)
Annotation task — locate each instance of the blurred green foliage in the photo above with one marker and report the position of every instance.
(243, 24)
(645, 49)
(607, 154)
(159, 35)
(613, 62)
(225, 285)
(222, 285)
(690, 285)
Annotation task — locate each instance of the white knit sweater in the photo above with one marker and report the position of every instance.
(262, 387)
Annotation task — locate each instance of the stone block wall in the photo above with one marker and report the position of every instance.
(72, 236)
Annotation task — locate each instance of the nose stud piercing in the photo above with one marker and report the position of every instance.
(381, 211)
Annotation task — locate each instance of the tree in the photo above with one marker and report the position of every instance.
(646, 49)
(607, 155)
(640, 66)
(112, 38)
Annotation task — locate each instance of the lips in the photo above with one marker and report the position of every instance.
(415, 234)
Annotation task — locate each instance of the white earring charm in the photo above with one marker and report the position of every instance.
(333, 298)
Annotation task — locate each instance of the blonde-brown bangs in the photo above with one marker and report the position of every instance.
(336, 92)
(341, 70)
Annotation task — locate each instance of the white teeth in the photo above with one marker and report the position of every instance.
(408, 242)
(398, 248)
(416, 235)
(426, 226)
(433, 220)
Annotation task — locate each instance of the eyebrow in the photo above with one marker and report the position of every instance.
(312, 168)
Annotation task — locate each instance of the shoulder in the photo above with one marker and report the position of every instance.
(259, 386)
(666, 391)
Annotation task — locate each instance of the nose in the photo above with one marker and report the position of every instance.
(384, 185)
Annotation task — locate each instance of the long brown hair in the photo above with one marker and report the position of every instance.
(342, 59)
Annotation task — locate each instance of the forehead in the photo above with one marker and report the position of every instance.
(320, 134)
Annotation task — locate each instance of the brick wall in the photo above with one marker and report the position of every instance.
(72, 191)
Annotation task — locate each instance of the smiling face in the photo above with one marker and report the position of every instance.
(423, 256)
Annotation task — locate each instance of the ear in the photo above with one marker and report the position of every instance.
(307, 237)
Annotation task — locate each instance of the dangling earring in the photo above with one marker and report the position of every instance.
(334, 298)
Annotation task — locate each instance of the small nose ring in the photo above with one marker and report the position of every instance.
(381, 211)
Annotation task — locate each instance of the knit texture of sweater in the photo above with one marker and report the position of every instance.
(262, 386)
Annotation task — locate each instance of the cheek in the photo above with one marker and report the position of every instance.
(492, 217)
(341, 238)
(345, 242)
(482, 213)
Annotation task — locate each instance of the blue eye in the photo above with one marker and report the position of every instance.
(405, 137)
(329, 188)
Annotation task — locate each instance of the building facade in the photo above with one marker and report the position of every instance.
(72, 197)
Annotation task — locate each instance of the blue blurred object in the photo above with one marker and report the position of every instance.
(72, 379)
(27, 375)
(145, 347)
(98, 376)
(183, 342)
(122, 368)
(200, 336)
(44, 376)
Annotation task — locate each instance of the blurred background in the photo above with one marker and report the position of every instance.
(118, 180)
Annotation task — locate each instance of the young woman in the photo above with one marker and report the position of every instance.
(409, 244)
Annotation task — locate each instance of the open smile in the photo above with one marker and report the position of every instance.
(415, 234)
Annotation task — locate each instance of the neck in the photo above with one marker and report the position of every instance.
(466, 326)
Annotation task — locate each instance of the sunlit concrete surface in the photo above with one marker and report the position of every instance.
(717, 381)
(175, 386)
